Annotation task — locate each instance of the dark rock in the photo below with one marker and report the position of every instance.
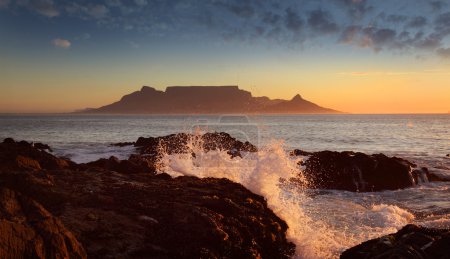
(118, 215)
(177, 143)
(42, 146)
(358, 172)
(117, 209)
(298, 152)
(135, 164)
(437, 177)
(421, 175)
(25, 156)
(123, 144)
(9, 141)
(410, 242)
(27, 230)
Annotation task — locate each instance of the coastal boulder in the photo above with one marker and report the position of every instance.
(115, 211)
(23, 155)
(178, 143)
(135, 164)
(354, 171)
(27, 230)
(410, 242)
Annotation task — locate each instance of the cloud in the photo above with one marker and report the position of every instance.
(133, 44)
(113, 3)
(61, 43)
(320, 21)
(293, 21)
(42, 7)
(140, 2)
(241, 10)
(83, 36)
(418, 21)
(442, 23)
(97, 11)
(443, 52)
(90, 11)
(357, 9)
(4, 3)
(396, 18)
(377, 25)
(271, 18)
(437, 5)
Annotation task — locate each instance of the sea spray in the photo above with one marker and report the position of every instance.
(321, 226)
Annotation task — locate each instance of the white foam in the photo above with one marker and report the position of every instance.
(321, 226)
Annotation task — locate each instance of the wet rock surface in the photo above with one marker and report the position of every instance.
(354, 171)
(109, 212)
(410, 242)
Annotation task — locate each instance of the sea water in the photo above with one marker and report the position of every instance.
(322, 223)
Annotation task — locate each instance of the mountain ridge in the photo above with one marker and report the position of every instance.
(205, 100)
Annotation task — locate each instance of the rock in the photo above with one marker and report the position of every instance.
(410, 242)
(27, 230)
(438, 177)
(9, 141)
(23, 155)
(42, 146)
(358, 172)
(185, 217)
(298, 152)
(177, 143)
(135, 164)
(123, 144)
(421, 175)
(27, 163)
(117, 209)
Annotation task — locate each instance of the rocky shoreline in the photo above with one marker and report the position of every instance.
(111, 208)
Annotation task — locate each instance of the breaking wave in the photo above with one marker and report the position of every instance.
(321, 223)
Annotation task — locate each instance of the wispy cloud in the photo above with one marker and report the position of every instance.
(61, 43)
(43, 7)
(4, 3)
(133, 44)
(140, 2)
(89, 11)
(443, 52)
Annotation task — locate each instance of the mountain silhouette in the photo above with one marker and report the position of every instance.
(204, 100)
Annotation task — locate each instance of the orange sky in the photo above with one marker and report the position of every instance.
(372, 89)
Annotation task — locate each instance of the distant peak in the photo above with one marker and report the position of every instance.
(147, 88)
(297, 98)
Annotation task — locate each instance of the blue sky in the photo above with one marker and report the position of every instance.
(111, 47)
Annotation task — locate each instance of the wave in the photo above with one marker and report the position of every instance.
(321, 226)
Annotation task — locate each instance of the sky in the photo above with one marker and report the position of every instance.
(357, 56)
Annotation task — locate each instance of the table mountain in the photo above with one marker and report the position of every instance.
(204, 100)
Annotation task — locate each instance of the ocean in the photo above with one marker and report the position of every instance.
(322, 223)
